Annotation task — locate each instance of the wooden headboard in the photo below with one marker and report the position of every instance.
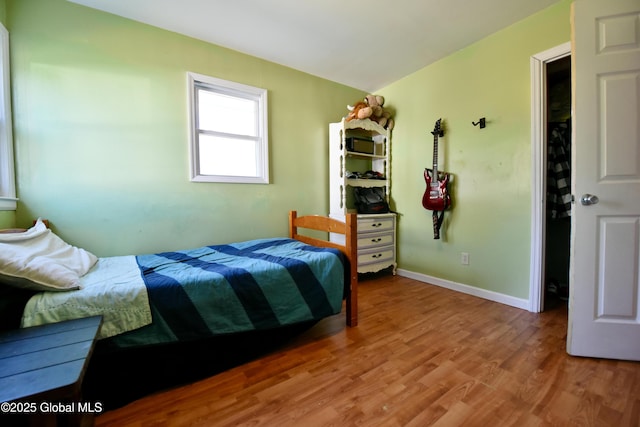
(330, 225)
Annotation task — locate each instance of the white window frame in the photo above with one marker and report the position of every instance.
(194, 81)
(7, 171)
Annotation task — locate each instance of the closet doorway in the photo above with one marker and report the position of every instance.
(558, 200)
(551, 192)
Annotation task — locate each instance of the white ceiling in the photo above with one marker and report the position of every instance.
(365, 44)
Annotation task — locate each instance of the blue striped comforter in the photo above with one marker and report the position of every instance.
(258, 284)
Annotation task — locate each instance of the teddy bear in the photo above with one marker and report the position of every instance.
(375, 102)
(379, 114)
(372, 107)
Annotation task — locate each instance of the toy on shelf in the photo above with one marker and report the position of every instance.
(372, 108)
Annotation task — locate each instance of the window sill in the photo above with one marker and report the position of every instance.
(231, 179)
(8, 203)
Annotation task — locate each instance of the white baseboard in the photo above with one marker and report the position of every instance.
(466, 289)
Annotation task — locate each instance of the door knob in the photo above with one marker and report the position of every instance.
(589, 199)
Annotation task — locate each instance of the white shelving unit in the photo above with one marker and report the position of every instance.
(376, 232)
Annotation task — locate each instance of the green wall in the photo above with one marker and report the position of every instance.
(491, 214)
(100, 119)
(7, 219)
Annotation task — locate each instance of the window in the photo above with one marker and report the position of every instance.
(229, 140)
(7, 176)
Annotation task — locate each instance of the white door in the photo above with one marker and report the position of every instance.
(604, 304)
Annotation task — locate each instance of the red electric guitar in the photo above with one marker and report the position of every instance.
(436, 197)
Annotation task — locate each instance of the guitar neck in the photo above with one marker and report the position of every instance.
(435, 156)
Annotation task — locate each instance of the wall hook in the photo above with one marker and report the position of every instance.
(482, 122)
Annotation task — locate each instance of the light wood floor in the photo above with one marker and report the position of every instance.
(421, 356)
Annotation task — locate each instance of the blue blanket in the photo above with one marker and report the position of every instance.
(258, 284)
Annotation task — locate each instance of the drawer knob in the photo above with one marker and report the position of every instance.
(376, 240)
(377, 224)
(376, 256)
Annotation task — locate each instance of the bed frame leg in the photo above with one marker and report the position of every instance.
(351, 242)
(352, 307)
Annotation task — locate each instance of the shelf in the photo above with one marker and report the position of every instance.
(366, 124)
(348, 168)
(355, 182)
(365, 155)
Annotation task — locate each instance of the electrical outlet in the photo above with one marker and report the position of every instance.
(464, 258)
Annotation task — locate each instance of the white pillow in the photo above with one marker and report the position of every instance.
(37, 259)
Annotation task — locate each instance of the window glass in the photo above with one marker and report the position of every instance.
(226, 113)
(227, 156)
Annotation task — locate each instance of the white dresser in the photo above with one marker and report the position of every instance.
(376, 242)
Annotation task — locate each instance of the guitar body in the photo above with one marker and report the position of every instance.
(436, 197)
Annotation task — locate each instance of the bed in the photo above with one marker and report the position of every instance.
(222, 303)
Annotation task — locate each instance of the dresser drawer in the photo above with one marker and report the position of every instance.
(370, 225)
(380, 255)
(373, 240)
